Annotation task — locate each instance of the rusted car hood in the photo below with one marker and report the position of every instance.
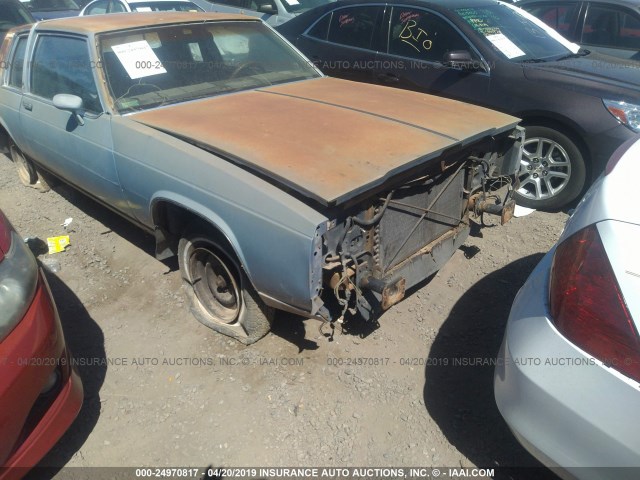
(328, 139)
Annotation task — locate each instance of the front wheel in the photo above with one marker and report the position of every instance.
(552, 170)
(220, 293)
(27, 172)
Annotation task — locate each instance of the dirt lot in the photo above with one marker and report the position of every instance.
(163, 390)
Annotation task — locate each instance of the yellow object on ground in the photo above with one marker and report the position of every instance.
(58, 244)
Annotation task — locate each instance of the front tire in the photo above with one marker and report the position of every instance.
(552, 170)
(27, 172)
(219, 291)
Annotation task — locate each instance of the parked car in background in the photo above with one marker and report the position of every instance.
(12, 13)
(274, 12)
(577, 107)
(40, 393)
(98, 7)
(568, 375)
(607, 26)
(184, 131)
(47, 9)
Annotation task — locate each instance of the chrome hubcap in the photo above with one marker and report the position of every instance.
(545, 168)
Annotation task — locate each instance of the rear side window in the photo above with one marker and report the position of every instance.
(62, 65)
(17, 63)
(117, 7)
(98, 8)
(354, 26)
(607, 26)
(558, 15)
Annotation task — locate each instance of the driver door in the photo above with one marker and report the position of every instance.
(80, 153)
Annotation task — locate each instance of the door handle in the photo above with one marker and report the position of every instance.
(388, 77)
(27, 106)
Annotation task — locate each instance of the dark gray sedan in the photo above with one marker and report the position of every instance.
(577, 106)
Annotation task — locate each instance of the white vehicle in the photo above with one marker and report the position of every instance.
(568, 373)
(98, 7)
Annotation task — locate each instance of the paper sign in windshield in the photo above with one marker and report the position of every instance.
(292, 2)
(505, 45)
(143, 9)
(138, 59)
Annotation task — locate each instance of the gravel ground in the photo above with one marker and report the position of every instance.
(163, 390)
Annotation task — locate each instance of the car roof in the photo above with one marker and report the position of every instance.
(95, 24)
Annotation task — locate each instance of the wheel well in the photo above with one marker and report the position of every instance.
(567, 130)
(172, 221)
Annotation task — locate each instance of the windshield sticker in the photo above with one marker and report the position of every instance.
(481, 20)
(346, 20)
(143, 9)
(138, 59)
(415, 36)
(231, 44)
(406, 16)
(292, 2)
(506, 46)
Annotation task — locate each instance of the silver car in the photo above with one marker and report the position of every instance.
(273, 12)
(568, 373)
(99, 7)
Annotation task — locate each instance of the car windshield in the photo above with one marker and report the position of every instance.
(515, 34)
(164, 7)
(299, 6)
(171, 64)
(50, 5)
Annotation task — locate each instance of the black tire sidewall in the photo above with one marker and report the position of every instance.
(254, 318)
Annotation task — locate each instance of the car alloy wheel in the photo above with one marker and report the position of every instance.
(552, 170)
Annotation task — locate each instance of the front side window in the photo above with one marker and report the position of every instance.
(607, 26)
(354, 26)
(515, 34)
(162, 65)
(558, 15)
(17, 63)
(62, 65)
(422, 35)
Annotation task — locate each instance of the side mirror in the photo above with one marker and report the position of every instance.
(70, 103)
(462, 60)
(268, 8)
